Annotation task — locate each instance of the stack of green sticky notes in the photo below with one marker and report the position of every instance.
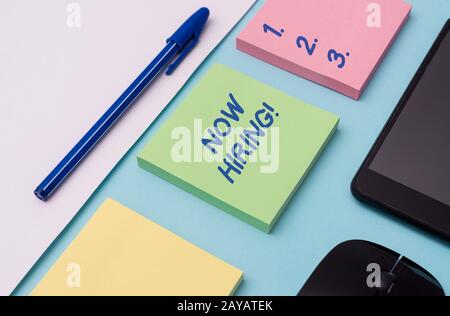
(240, 145)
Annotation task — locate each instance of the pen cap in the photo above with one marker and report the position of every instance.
(190, 29)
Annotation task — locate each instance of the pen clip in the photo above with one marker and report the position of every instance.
(171, 68)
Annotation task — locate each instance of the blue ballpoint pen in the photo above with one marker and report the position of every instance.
(180, 43)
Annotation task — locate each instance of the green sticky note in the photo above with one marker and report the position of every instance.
(240, 145)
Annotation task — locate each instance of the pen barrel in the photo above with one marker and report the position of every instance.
(101, 127)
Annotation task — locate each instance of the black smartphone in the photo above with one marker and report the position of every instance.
(407, 171)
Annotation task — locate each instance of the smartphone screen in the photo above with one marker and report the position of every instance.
(416, 152)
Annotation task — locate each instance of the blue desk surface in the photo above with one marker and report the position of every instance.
(322, 214)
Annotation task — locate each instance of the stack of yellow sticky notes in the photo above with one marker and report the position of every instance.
(120, 252)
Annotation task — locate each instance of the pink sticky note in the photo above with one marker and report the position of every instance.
(336, 43)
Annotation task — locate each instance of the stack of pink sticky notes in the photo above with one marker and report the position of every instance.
(336, 43)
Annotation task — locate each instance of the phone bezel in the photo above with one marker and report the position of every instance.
(376, 189)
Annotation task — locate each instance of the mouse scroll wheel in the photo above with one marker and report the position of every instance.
(387, 281)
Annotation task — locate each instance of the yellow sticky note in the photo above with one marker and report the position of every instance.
(119, 252)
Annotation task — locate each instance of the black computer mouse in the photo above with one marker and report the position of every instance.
(362, 268)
